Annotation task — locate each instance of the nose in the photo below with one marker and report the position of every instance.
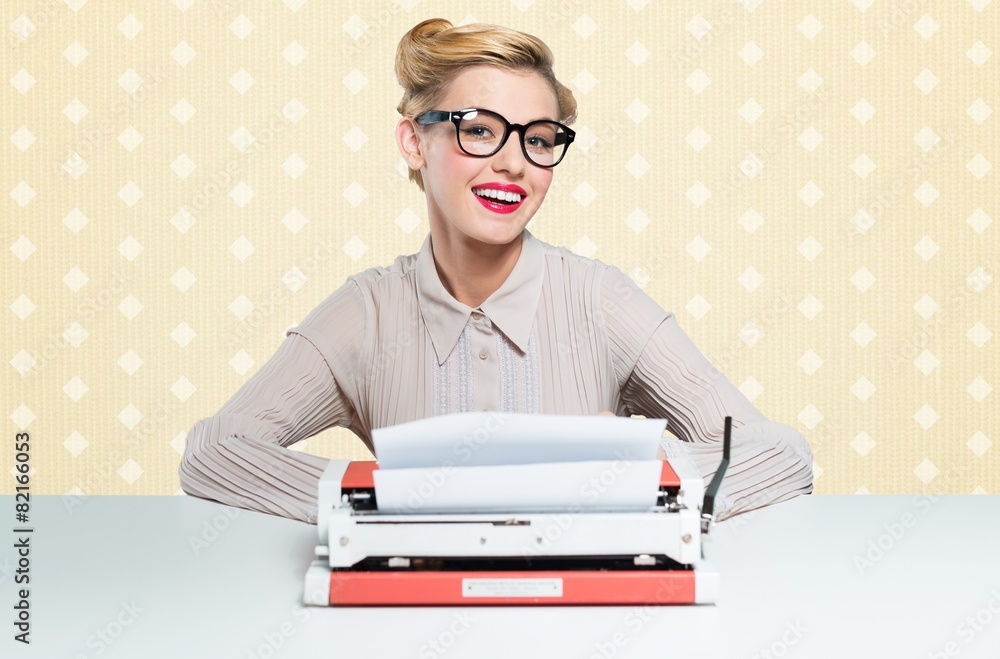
(510, 158)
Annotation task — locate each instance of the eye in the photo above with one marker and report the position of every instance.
(539, 143)
(479, 132)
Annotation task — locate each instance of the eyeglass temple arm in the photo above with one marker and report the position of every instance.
(433, 116)
(566, 138)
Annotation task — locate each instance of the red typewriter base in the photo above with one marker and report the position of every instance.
(505, 588)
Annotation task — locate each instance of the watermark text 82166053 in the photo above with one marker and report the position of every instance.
(22, 537)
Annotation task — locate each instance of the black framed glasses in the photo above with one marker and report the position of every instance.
(482, 133)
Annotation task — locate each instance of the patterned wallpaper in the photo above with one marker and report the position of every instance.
(809, 186)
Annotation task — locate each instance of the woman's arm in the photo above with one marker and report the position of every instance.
(671, 379)
(239, 456)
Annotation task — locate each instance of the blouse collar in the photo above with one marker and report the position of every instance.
(511, 307)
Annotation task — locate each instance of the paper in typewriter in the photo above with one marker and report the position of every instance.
(497, 462)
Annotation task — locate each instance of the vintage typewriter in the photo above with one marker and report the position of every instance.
(644, 548)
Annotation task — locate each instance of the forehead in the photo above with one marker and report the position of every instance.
(518, 95)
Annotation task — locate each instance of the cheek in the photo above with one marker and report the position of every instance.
(448, 167)
(541, 180)
(455, 167)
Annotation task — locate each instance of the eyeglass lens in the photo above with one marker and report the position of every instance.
(480, 133)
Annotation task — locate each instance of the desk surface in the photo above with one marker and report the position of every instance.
(818, 576)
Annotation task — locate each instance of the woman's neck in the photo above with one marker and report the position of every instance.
(470, 270)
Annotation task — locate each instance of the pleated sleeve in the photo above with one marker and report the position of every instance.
(663, 375)
(239, 456)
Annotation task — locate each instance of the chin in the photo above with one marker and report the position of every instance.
(497, 233)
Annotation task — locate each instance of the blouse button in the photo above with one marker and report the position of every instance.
(482, 354)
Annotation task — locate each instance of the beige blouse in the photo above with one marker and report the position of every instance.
(563, 335)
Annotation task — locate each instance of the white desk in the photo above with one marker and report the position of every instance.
(133, 568)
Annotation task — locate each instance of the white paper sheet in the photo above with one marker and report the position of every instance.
(558, 486)
(471, 439)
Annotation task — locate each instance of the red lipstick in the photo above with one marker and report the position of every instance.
(497, 195)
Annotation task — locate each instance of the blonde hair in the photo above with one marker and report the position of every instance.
(434, 51)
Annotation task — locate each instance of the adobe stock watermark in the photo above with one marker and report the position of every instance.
(211, 530)
(104, 637)
(771, 146)
(584, 155)
(897, 529)
(639, 616)
(700, 38)
(445, 640)
(26, 32)
(885, 197)
(363, 33)
(86, 311)
(560, 14)
(900, 14)
(636, 619)
(894, 532)
(436, 479)
(210, 187)
(751, 334)
(254, 488)
(586, 333)
(769, 315)
(294, 279)
(472, 443)
(96, 135)
(223, 7)
(956, 300)
(128, 446)
(792, 634)
(971, 627)
(273, 641)
(592, 491)
(747, 508)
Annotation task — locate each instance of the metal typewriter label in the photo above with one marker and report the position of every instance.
(512, 587)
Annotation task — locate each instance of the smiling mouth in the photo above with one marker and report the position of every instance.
(498, 196)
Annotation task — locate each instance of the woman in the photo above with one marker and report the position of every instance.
(485, 316)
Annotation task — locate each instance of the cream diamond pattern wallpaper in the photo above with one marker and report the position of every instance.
(810, 187)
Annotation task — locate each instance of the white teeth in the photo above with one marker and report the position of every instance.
(498, 194)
